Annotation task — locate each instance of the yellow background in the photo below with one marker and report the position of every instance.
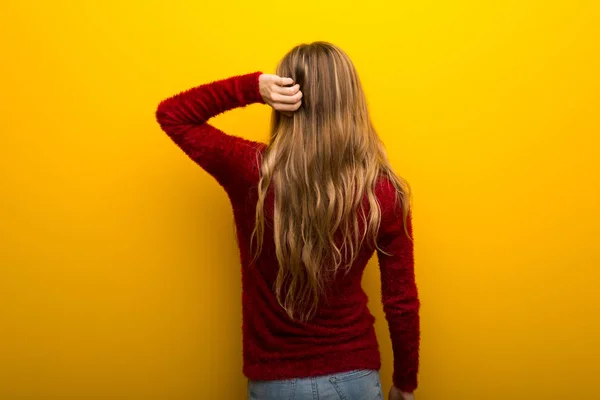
(119, 274)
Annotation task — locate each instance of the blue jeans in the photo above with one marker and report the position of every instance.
(361, 384)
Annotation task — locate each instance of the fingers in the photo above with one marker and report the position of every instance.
(286, 98)
(284, 81)
(289, 91)
(283, 97)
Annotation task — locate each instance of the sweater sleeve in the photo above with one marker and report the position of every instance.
(183, 117)
(399, 295)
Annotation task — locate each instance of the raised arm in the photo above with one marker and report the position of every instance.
(227, 158)
(183, 117)
(399, 295)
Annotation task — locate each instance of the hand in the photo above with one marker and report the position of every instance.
(277, 92)
(397, 394)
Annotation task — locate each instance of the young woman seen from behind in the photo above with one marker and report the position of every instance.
(311, 207)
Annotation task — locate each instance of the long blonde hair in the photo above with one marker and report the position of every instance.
(322, 163)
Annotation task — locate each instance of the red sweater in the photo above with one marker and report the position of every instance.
(341, 336)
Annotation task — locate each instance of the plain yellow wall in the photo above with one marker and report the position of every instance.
(119, 274)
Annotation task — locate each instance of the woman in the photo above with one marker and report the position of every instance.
(310, 208)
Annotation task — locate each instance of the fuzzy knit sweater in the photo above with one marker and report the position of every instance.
(341, 336)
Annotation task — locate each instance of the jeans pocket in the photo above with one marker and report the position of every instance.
(270, 390)
(350, 375)
(358, 384)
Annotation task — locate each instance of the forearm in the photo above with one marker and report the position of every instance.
(404, 327)
(196, 106)
(400, 298)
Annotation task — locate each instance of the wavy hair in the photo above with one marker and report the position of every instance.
(322, 163)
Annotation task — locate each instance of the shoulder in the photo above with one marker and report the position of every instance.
(387, 195)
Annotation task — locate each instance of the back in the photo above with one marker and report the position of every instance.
(340, 336)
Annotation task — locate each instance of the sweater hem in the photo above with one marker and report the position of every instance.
(325, 364)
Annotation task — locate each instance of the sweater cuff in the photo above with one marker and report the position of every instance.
(249, 89)
(405, 385)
